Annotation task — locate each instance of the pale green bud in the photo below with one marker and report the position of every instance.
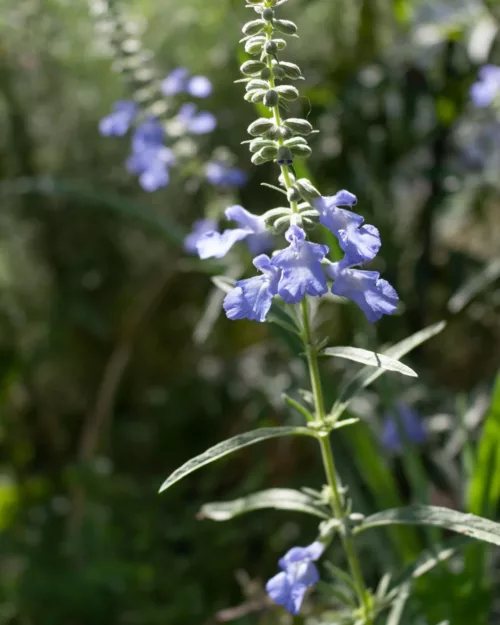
(255, 44)
(299, 126)
(260, 126)
(285, 26)
(288, 92)
(293, 195)
(306, 189)
(268, 153)
(266, 73)
(290, 70)
(271, 47)
(254, 27)
(252, 68)
(301, 150)
(271, 98)
(279, 132)
(268, 15)
(255, 83)
(278, 72)
(284, 156)
(259, 144)
(290, 143)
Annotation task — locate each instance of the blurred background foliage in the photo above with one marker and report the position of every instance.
(108, 381)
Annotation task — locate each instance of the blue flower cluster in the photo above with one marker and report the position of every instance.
(150, 158)
(298, 573)
(302, 268)
(486, 89)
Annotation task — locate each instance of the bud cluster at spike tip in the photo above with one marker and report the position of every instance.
(302, 268)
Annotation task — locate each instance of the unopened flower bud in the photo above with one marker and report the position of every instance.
(293, 195)
(291, 70)
(295, 141)
(255, 45)
(303, 151)
(265, 73)
(306, 189)
(278, 72)
(268, 14)
(260, 126)
(271, 98)
(253, 27)
(259, 143)
(285, 26)
(271, 47)
(284, 156)
(288, 92)
(256, 83)
(279, 132)
(252, 68)
(299, 126)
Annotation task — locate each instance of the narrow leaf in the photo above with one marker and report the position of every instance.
(398, 607)
(276, 498)
(224, 283)
(230, 445)
(369, 358)
(366, 376)
(460, 522)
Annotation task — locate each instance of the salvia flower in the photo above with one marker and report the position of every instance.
(360, 243)
(484, 91)
(221, 175)
(406, 422)
(298, 573)
(180, 81)
(119, 121)
(150, 158)
(301, 265)
(200, 228)
(252, 298)
(374, 295)
(198, 123)
(252, 228)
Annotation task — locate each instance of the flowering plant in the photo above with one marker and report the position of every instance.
(301, 269)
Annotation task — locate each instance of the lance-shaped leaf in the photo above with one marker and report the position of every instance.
(366, 376)
(372, 359)
(460, 522)
(276, 498)
(230, 445)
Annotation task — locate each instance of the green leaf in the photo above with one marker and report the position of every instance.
(398, 606)
(372, 359)
(460, 522)
(230, 445)
(276, 498)
(224, 283)
(366, 376)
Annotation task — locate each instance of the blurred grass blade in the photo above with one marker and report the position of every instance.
(366, 376)
(118, 204)
(275, 498)
(367, 357)
(460, 522)
(484, 488)
(474, 286)
(398, 607)
(228, 446)
(366, 457)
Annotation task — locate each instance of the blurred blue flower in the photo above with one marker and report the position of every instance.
(180, 81)
(222, 175)
(374, 295)
(407, 421)
(252, 298)
(301, 265)
(150, 158)
(252, 228)
(298, 573)
(484, 91)
(119, 121)
(200, 227)
(360, 243)
(197, 123)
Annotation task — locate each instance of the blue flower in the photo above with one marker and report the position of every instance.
(360, 243)
(367, 289)
(483, 91)
(120, 120)
(220, 174)
(298, 574)
(301, 265)
(407, 422)
(200, 227)
(197, 123)
(180, 81)
(252, 228)
(150, 158)
(252, 298)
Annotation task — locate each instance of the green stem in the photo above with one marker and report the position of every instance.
(336, 501)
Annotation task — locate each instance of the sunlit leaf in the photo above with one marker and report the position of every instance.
(372, 359)
(276, 498)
